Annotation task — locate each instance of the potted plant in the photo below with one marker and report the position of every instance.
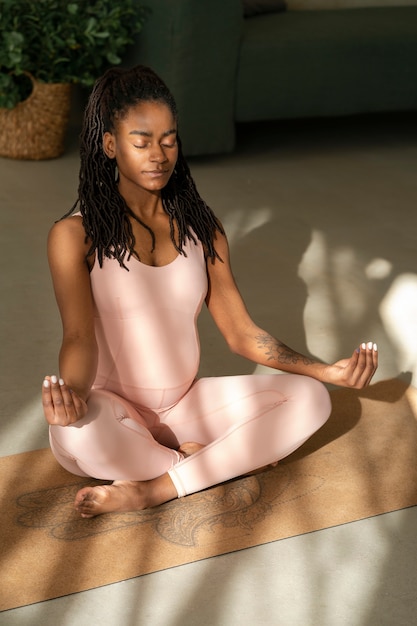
(45, 47)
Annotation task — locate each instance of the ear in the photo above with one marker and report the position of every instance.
(109, 145)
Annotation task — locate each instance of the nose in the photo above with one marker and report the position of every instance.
(157, 154)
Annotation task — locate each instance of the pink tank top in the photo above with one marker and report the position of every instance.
(146, 327)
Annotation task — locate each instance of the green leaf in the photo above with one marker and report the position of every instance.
(91, 24)
(102, 35)
(14, 39)
(113, 59)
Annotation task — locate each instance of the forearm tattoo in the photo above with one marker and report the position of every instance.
(277, 351)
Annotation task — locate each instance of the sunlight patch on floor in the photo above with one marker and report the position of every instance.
(346, 295)
(399, 314)
(319, 313)
(240, 223)
(27, 430)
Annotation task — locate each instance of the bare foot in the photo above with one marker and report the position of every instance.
(123, 496)
(189, 448)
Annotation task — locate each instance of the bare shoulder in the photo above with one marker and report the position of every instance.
(67, 239)
(67, 250)
(71, 229)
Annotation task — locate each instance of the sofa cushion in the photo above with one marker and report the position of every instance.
(257, 7)
(311, 63)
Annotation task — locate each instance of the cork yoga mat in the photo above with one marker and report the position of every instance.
(361, 463)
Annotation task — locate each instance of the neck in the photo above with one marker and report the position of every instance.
(144, 204)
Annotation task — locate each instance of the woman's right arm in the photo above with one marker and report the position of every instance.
(64, 396)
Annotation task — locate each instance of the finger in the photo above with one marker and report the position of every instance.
(51, 402)
(57, 401)
(373, 361)
(75, 406)
(362, 371)
(65, 412)
(367, 362)
(48, 406)
(70, 402)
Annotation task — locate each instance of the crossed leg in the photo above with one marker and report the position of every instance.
(240, 423)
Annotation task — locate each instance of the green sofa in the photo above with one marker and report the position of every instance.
(223, 68)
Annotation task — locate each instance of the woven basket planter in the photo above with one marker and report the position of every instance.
(35, 128)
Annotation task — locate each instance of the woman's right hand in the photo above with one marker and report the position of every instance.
(61, 405)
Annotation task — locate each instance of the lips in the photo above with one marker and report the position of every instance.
(156, 173)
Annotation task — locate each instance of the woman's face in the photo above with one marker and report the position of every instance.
(145, 147)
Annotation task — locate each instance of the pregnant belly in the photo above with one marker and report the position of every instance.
(151, 364)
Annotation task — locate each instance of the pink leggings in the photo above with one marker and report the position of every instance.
(244, 422)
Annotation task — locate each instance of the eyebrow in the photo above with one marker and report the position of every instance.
(144, 133)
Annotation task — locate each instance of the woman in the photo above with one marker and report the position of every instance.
(131, 271)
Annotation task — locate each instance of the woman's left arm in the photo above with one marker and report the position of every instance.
(247, 339)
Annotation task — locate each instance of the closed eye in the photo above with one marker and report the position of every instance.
(165, 145)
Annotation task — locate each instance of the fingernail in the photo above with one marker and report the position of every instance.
(54, 379)
(370, 345)
(61, 382)
(46, 383)
(375, 347)
(363, 346)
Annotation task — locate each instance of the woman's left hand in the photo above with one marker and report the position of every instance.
(357, 371)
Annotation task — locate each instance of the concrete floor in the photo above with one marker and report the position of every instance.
(321, 218)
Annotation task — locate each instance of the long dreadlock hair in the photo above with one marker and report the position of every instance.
(104, 212)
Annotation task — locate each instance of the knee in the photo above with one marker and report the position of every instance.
(318, 399)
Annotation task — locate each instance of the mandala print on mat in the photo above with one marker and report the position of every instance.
(239, 504)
